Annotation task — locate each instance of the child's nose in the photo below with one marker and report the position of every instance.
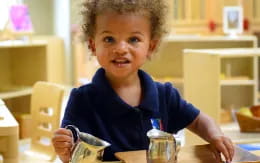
(121, 48)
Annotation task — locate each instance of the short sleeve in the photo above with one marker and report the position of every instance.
(71, 108)
(181, 113)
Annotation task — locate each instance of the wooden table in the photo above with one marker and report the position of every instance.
(186, 155)
(192, 154)
(8, 135)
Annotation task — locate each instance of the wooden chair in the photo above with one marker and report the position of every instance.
(46, 103)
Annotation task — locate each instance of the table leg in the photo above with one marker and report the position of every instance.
(10, 153)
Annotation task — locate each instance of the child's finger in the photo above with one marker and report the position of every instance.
(222, 148)
(59, 144)
(230, 148)
(63, 151)
(61, 138)
(63, 131)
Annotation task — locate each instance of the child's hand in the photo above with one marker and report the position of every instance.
(224, 145)
(62, 142)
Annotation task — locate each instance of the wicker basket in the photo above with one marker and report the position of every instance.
(248, 124)
(255, 110)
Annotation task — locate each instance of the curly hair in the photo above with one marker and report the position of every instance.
(156, 10)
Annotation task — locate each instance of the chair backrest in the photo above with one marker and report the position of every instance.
(46, 103)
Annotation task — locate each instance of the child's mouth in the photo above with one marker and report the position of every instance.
(120, 62)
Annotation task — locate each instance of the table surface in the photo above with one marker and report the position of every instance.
(232, 131)
(185, 153)
(195, 154)
(8, 124)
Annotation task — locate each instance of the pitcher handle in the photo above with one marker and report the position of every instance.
(75, 132)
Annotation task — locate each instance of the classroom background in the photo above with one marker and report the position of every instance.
(211, 54)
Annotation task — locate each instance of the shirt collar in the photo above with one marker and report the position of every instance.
(150, 98)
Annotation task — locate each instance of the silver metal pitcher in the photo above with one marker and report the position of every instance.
(162, 147)
(87, 148)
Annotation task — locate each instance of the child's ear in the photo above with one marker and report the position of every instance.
(152, 47)
(91, 45)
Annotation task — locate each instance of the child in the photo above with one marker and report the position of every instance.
(122, 100)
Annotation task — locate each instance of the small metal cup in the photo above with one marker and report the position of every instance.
(87, 148)
(162, 147)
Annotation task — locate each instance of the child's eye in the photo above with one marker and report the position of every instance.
(134, 40)
(109, 39)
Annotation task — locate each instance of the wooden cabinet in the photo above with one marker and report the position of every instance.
(23, 63)
(218, 79)
(194, 16)
(188, 16)
(252, 14)
(167, 65)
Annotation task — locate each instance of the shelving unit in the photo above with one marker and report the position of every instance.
(186, 14)
(216, 79)
(194, 16)
(16, 93)
(22, 63)
(168, 63)
(252, 13)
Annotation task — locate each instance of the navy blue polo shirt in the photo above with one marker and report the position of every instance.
(95, 108)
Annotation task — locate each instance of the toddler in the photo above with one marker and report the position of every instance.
(122, 102)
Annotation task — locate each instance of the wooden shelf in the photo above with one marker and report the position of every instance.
(189, 23)
(23, 63)
(169, 60)
(16, 93)
(215, 38)
(21, 43)
(211, 81)
(189, 16)
(223, 53)
(230, 82)
(218, 78)
(171, 80)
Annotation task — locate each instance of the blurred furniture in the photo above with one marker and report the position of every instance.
(232, 130)
(193, 16)
(8, 135)
(85, 64)
(205, 16)
(252, 14)
(216, 79)
(45, 119)
(167, 65)
(257, 34)
(24, 62)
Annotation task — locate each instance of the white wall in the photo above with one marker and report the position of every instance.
(41, 13)
(52, 17)
(62, 29)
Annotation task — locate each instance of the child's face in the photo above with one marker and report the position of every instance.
(122, 42)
